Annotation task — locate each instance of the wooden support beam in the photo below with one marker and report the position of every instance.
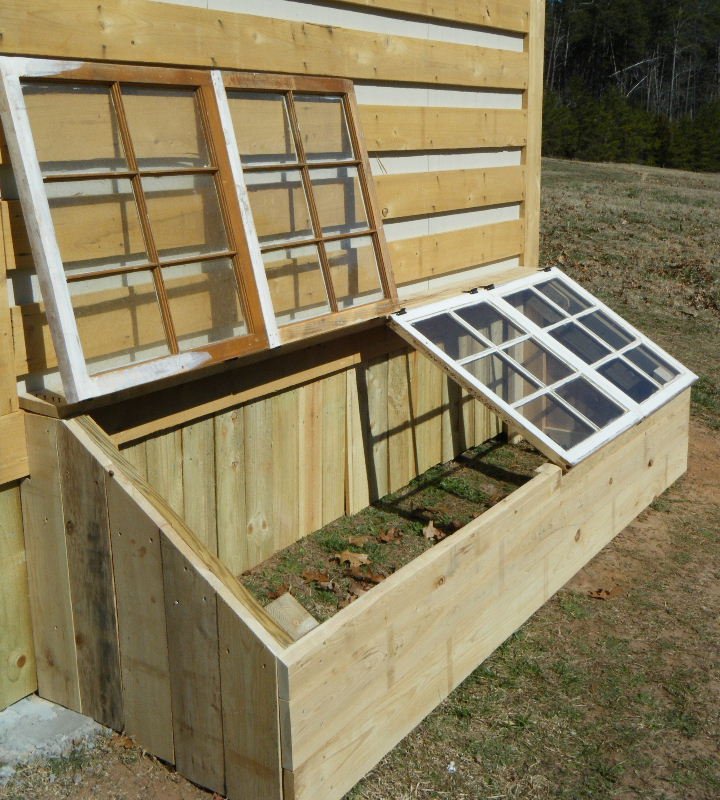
(13, 449)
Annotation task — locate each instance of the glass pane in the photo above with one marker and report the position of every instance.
(354, 271)
(296, 284)
(537, 360)
(555, 421)
(118, 320)
(534, 308)
(165, 127)
(74, 128)
(262, 128)
(490, 323)
(339, 200)
(627, 379)
(450, 336)
(185, 215)
(590, 402)
(279, 206)
(579, 342)
(563, 296)
(204, 302)
(96, 224)
(652, 365)
(500, 377)
(323, 128)
(601, 325)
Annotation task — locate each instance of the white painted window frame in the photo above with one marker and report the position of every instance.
(495, 297)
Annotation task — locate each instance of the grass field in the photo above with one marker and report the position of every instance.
(612, 690)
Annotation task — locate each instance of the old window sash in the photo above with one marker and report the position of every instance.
(549, 358)
(303, 169)
(149, 180)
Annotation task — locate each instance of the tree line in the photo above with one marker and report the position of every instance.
(633, 81)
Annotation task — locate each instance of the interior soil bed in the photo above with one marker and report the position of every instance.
(332, 567)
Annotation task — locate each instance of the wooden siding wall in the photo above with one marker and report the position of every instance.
(450, 102)
(254, 478)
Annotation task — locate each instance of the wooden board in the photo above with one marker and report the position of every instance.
(408, 128)
(170, 34)
(456, 603)
(230, 490)
(18, 677)
(13, 454)
(198, 476)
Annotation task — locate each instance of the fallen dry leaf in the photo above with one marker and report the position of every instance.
(363, 575)
(353, 559)
(603, 594)
(391, 535)
(313, 576)
(279, 592)
(357, 588)
(431, 532)
(358, 541)
(123, 741)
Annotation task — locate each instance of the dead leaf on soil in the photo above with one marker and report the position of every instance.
(353, 559)
(604, 594)
(279, 592)
(358, 541)
(391, 535)
(123, 741)
(364, 575)
(431, 532)
(313, 576)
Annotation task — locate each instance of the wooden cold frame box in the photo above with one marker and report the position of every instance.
(164, 643)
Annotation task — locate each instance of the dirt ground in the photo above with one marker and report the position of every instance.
(612, 690)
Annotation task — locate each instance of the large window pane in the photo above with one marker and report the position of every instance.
(74, 128)
(534, 308)
(279, 205)
(579, 342)
(119, 320)
(498, 375)
(323, 127)
(262, 128)
(490, 323)
(450, 336)
(555, 421)
(601, 325)
(185, 215)
(96, 224)
(339, 200)
(651, 364)
(563, 296)
(590, 402)
(297, 287)
(165, 127)
(627, 379)
(546, 367)
(354, 271)
(204, 302)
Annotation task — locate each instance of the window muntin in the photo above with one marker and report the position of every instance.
(310, 192)
(551, 358)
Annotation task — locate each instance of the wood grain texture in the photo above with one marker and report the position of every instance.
(18, 676)
(260, 450)
(164, 467)
(8, 390)
(87, 536)
(142, 31)
(456, 603)
(419, 194)
(199, 481)
(138, 578)
(333, 447)
(230, 489)
(308, 463)
(13, 454)
(408, 128)
(48, 574)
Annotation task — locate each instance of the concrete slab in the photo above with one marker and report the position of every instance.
(35, 728)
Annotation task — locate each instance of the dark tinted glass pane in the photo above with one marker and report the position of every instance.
(491, 323)
(563, 296)
(652, 365)
(450, 336)
(536, 359)
(579, 342)
(601, 325)
(555, 421)
(500, 377)
(590, 402)
(534, 308)
(627, 379)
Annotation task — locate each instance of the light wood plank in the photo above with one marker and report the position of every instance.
(407, 128)
(290, 615)
(423, 257)
(8, 389)
(48, 575)
(427, 414)
(289, 467)
(138, 576)
(310, 465)
(13, 454)
(18, 677)
(171, 34)
(198, 475)
(333, 447)
(259, 497)
(164, 467)
(249, 711)
(533, 103)
(358, 454)
(230, 490)
(376, 390)
(417, 194)
(136, 454)
(193, 650)
(509, 15)
(402, 459)
(87, 535)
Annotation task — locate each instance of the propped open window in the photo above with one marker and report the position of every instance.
(550, 358)
(182, 217)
